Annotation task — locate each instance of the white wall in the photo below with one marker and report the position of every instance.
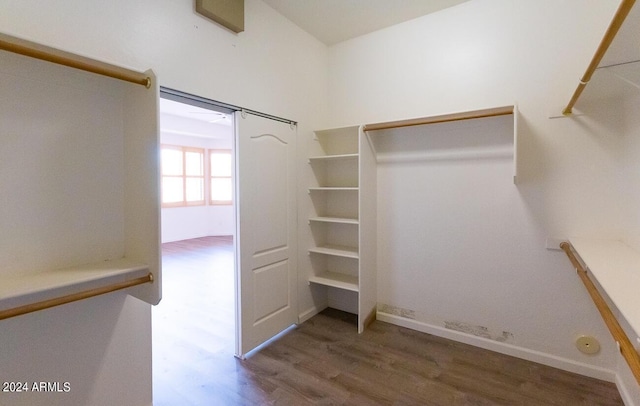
(488, 53)
(94, 345)
(182, 223)
(612, 99)
(482, 53)
(631, 180)
(272, 67)
(632, 168)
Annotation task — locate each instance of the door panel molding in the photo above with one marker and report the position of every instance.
(266, 273)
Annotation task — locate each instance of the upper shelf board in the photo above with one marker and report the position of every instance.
(618, 45)
(466, 115)
(624, 47)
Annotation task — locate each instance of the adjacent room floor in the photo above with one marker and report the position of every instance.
(193, 326)
(324, 361)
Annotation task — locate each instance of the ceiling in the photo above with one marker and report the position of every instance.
(334, 21)
(187, 120)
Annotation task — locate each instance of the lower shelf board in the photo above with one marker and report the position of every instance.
(336, 280)
(336, 250)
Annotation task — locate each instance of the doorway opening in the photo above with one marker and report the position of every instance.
(257, 251)
(194, 326)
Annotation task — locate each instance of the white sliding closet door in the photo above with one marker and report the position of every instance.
(266, 235)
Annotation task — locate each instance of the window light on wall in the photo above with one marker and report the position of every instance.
(182, 176)
(221, 185)
(184, 171)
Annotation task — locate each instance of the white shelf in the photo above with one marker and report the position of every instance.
(339, 157)
(27, 289)
(333, 188)
(336, 280)
(338, 220)
(336, 250)
(616, 267)
(337, 163)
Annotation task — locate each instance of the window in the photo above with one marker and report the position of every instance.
(182, 176)
(220, 183)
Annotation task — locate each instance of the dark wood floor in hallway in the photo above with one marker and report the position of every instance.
(324, 361)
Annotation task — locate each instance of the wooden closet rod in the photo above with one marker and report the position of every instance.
(616, 23)
(45, 53)
(46, 304)
(498, 111)
(626, 348)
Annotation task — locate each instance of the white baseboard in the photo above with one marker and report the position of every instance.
(307, 314)
(627, 384)
(625, 394)
(503, 348)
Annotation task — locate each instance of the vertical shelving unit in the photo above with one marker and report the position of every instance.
(335, 223)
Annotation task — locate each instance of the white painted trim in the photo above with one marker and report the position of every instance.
(265, 344)
(307, 314)
(503, 348)
(625, 394)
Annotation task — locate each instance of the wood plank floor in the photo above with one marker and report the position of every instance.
(324, 361)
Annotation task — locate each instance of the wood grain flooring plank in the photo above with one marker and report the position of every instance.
(324, 361)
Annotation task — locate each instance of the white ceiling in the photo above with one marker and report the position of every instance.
(185, 119)
(174, 108)
(334, 21)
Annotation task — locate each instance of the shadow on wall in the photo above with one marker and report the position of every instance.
(73, 356)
